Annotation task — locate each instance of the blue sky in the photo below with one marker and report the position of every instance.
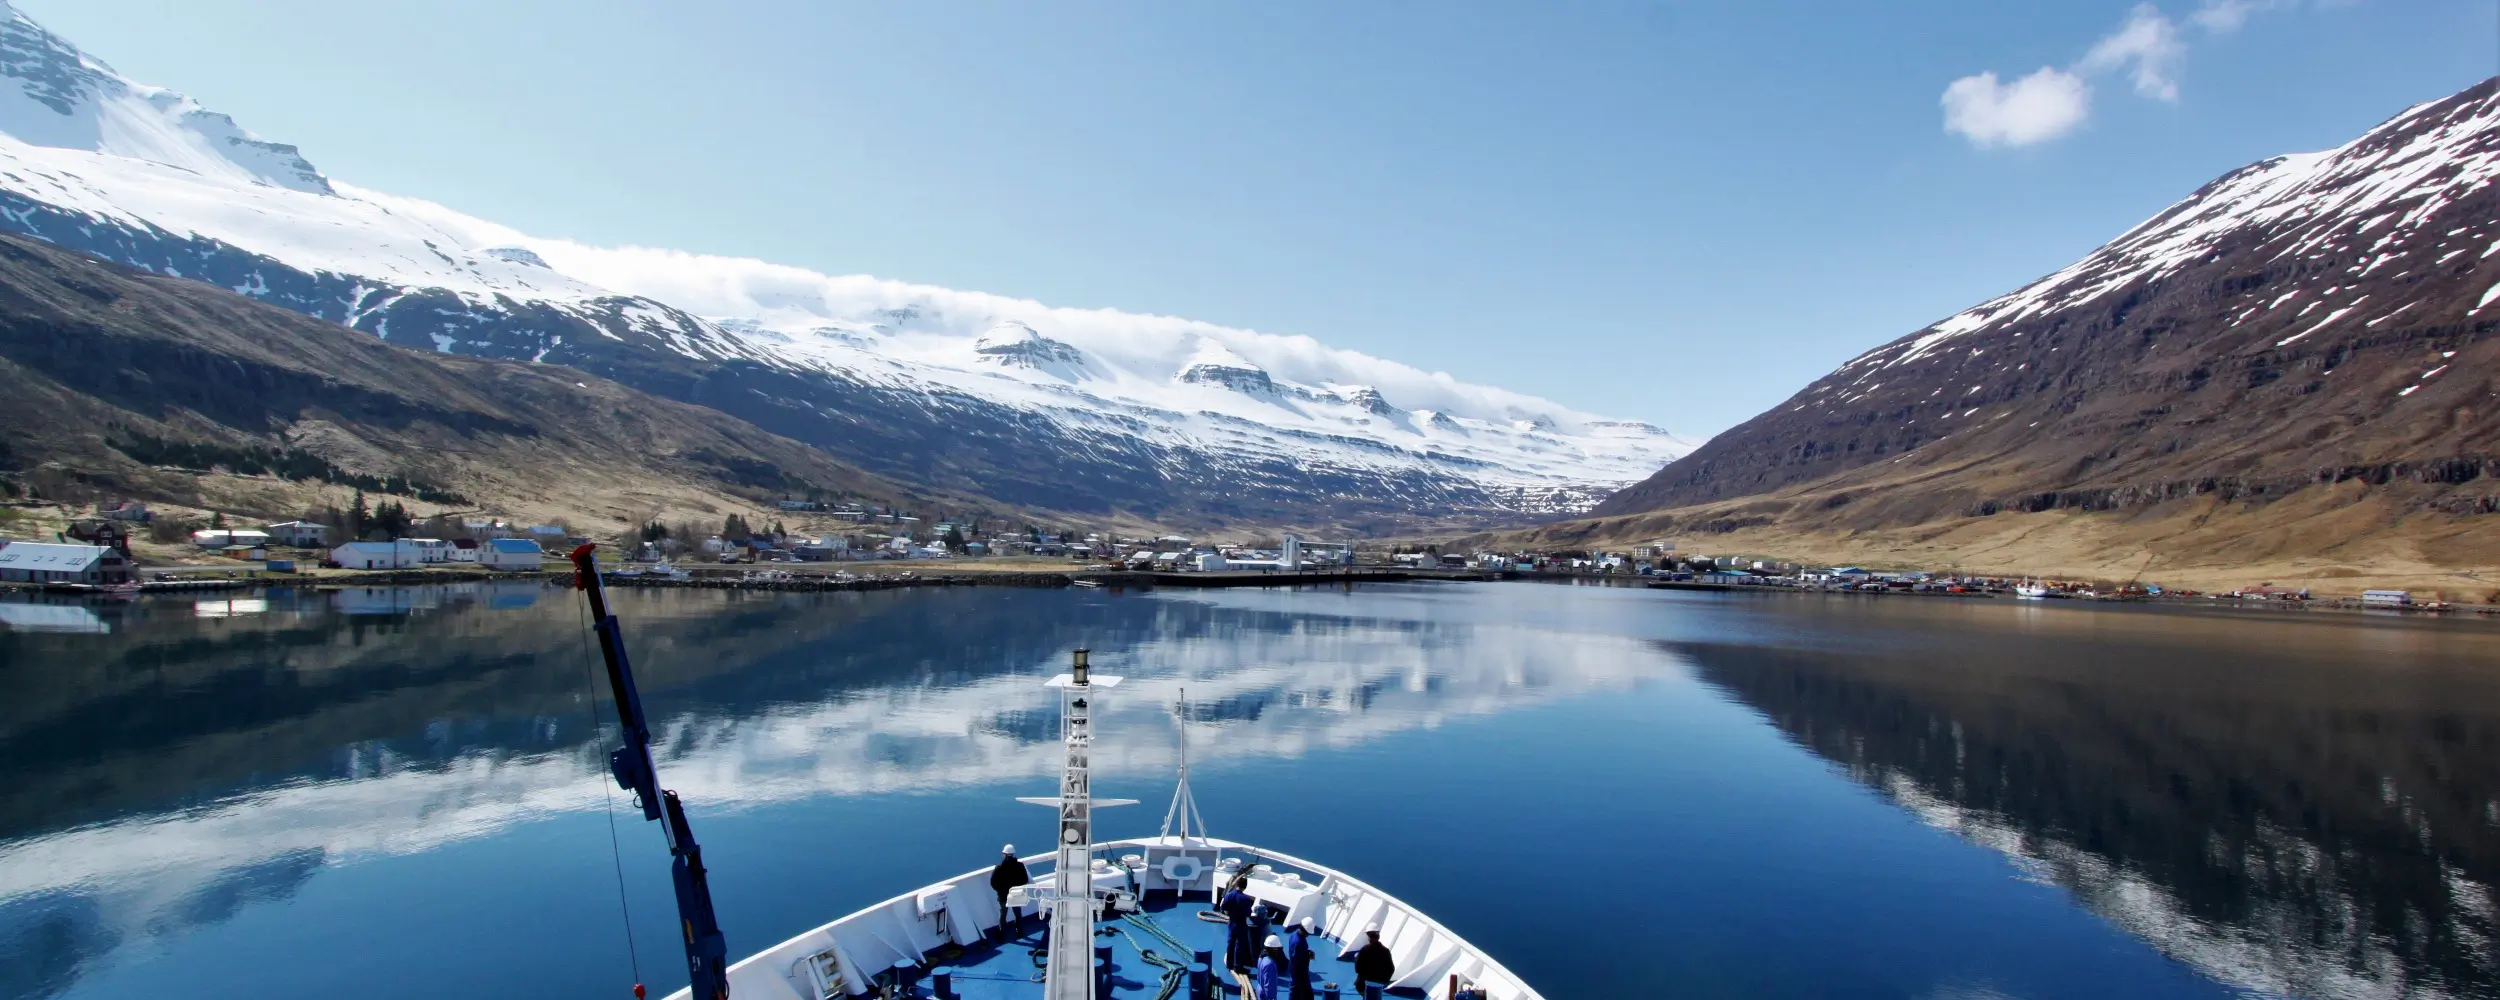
(1678, 212)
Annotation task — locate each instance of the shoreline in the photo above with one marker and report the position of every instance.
(780, 581)
(2323, 604)
(1118, 580)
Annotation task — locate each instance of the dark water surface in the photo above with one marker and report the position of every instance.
(1619, 793)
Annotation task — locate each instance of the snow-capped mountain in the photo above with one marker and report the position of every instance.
(2307, 320)
(1080, 410)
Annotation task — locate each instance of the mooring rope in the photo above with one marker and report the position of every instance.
(1174, 970)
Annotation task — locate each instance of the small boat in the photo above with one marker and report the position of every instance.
(1082, 582)
(1092, 919)
(2031, 591)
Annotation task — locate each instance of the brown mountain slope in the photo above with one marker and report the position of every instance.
(2315, 326)
(117, 375)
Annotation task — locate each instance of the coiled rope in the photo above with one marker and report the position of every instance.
(1174, 970)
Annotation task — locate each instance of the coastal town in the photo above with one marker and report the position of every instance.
(124, 546)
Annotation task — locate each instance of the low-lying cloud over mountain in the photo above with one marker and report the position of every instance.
(1089, 411)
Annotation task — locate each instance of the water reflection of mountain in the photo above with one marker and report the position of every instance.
(181, 766)
(175, 708)
(2285, 821)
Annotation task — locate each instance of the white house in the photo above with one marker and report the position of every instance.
(300, 534)
(509, 553)
(430, 550)
(45, 562)
(375, 555)
(220, 538)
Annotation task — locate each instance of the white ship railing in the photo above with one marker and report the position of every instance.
(845, 957)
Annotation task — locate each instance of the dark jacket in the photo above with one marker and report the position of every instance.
(1237, 907)
(1009, 874)
(1373, 964)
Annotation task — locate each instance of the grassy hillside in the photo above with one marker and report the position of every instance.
(131, 384)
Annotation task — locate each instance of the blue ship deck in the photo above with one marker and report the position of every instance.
(1013, 970)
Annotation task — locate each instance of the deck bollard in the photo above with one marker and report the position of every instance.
(1328, 990)
(943, 984)
(1201, 982)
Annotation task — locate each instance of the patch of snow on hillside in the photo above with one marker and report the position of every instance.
(2321, 199)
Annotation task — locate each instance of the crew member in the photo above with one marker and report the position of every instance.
(1373, 968)
(1271, 974)
(1298, 958)
(1240, 948)
(1009, 874)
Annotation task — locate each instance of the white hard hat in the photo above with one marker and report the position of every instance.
(1373, 929)
(1009, 849)
(1275, 942)
(1310, 924)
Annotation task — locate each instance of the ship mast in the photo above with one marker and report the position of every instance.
(1069, 973)
(1184, 810)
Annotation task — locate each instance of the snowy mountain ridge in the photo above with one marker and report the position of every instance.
(145, 176)
(2369, 197)
(2313, 324)
(73, 101)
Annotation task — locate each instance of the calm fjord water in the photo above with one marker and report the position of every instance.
(399, 793)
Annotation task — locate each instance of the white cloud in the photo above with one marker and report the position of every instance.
(2052, 102)
(2042, 106)
(2148, 45)
(2223, 17)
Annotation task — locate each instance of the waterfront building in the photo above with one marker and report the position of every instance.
(46, 562)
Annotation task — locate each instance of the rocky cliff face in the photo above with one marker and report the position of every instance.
(2308, 320)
